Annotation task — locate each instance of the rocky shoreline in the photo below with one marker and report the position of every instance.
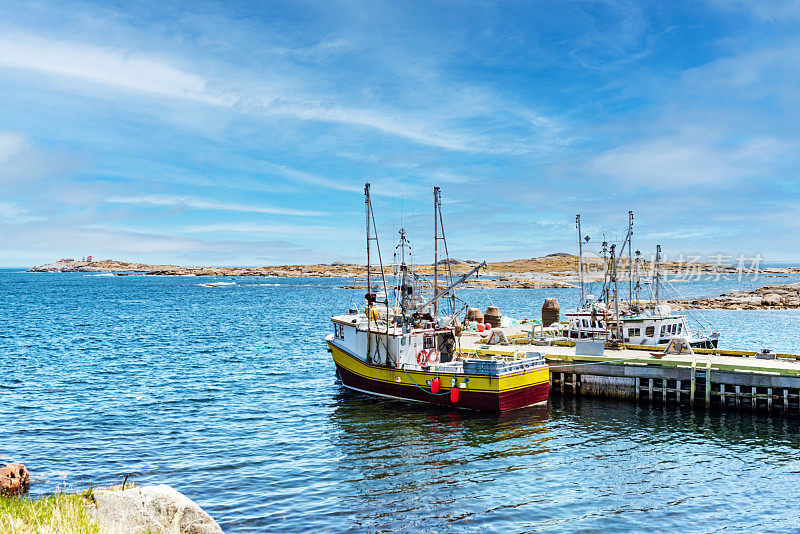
(108, 511)
(559, 270)
(772, 297)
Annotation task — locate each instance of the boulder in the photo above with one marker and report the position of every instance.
(150, 509)
(14, 480)
(773, 299)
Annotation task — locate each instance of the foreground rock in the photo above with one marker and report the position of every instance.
(150, 509)
(774, 297)
(14, 480)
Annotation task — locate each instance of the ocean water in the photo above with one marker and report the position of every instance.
(228, 394)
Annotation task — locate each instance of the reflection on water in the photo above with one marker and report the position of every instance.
(410, 467)
(575, 464)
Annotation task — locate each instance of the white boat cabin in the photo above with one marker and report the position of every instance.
(586, 325)
(654, 328)
(430, 343)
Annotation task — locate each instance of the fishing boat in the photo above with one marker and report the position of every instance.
(651, 323)
(404, 342)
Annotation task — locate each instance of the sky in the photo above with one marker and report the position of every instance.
(242, 133)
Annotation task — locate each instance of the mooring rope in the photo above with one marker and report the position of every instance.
(420, 387)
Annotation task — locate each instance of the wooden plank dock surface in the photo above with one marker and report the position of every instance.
(720, 379)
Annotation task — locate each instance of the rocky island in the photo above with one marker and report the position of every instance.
(558, 270)
(772, 297)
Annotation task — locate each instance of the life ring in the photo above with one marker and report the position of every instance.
(433, 356)
(422, 357)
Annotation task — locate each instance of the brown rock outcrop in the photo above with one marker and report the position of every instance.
(768, 297)
(14, 480)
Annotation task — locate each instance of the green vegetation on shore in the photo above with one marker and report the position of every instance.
(60, 513)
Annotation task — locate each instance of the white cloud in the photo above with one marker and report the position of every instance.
(311, 179)
(393, 124)
(11, 144)
(157, 76)
(281, 230)
(22, 161)
(777, 11)
(13, 213)
(751, 75)
(200, 204)
(681, 160)
(105, 66)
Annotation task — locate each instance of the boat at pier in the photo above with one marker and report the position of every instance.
(405, 342)
(635, 322)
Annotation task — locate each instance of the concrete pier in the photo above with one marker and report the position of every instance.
(730, 380)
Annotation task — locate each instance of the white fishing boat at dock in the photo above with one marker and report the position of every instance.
(635, 321)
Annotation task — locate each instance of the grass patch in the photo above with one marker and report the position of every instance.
(60, 513)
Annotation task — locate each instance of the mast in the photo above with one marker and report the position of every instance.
(580, 258)
(436, 201)
(657, 274)
(616, 290)
(626, 241)
(370, 297)
(404, 285)
(638, 285)
(367, 205)
(630, 257)
(606, 272)
(439, 236)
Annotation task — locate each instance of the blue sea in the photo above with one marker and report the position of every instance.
(228, 394)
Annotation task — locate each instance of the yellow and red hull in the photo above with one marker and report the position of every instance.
(508, 392)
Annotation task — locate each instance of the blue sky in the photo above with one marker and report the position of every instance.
(241, 133)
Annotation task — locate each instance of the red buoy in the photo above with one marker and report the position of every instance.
(435, 385)
(487, 326)
(481, 327)
(454, 395)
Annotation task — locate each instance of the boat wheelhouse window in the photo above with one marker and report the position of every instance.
(650, 331)
(585, 323)
(427, 343)
(674, 328)
(680, 327)
(663, 329)
(338, 331)
(634, 332)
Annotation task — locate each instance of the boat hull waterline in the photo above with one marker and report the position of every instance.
(516, 390)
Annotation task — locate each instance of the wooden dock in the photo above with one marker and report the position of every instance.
(730, 380)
